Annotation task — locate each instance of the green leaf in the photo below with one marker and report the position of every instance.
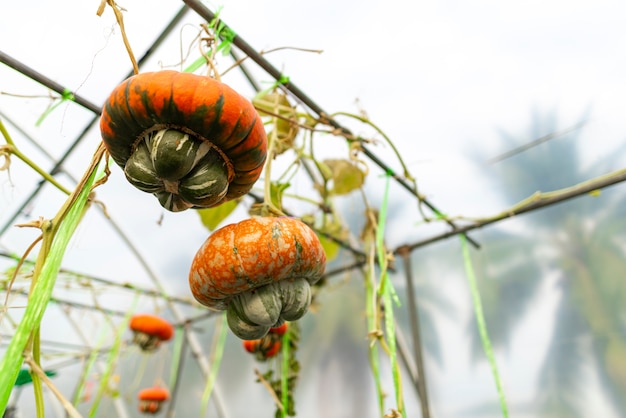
(273, 102)
(67, 95)
(199, 62)
(11, 362)
(276, 193)
(325, 170)
(331, 248)
(346, 176)
(482, 325)
(216, 356)
(332, 229)
(227, 35)
(24, 377)
(212, 217)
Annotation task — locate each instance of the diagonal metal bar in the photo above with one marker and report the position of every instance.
(126, 285)
(539, 201)
(405, 356)
(252, 53)
(77, 305)
(48, 82)
(415, 333)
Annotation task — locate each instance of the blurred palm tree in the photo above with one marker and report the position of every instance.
(581, 243)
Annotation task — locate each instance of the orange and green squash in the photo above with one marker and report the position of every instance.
(260, 271)
(263, 348)
(190, 140)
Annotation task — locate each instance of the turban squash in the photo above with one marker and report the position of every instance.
(260, 271)
(189, 139)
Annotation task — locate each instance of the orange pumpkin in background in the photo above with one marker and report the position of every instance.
(151, 399)
(267, 346)
(149, 331)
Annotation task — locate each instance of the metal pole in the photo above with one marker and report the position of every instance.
(415, 331)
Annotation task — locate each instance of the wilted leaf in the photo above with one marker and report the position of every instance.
(272, 103)
(260, 209)
(325, 170)
(326, 233)
(368, 233)
(346, 176)
(284, 132)
(212, 217)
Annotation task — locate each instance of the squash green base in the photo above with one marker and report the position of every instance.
(180, 170)
(252, 313)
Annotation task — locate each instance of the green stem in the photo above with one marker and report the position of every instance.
(104, 386)
(88, 367)
(5, 134)
(43, 173)
(371, 307)
(37, 387)
(407, 174)
(57, 234)
(284, 377)
(67, 95)
(12, 149)
(380, 237)
(482, 327)
(177, 351)
(267, 186)
(388, 296)
(216, 361)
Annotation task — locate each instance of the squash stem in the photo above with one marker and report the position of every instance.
(267, 189)
(217, 351)
(407, 174)
(284, 377)
(389, 296)
(11, 148)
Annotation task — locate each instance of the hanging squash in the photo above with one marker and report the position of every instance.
(280, 330)
(259, 271)
(267, 346)
(262, 348)
(151, 399)
(149, 331)
(189, 139)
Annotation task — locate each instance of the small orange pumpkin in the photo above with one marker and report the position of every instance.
(280, 330)
(151, 399)
(263, 348)
(150, 330)
(260, 271)
(189, 139)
